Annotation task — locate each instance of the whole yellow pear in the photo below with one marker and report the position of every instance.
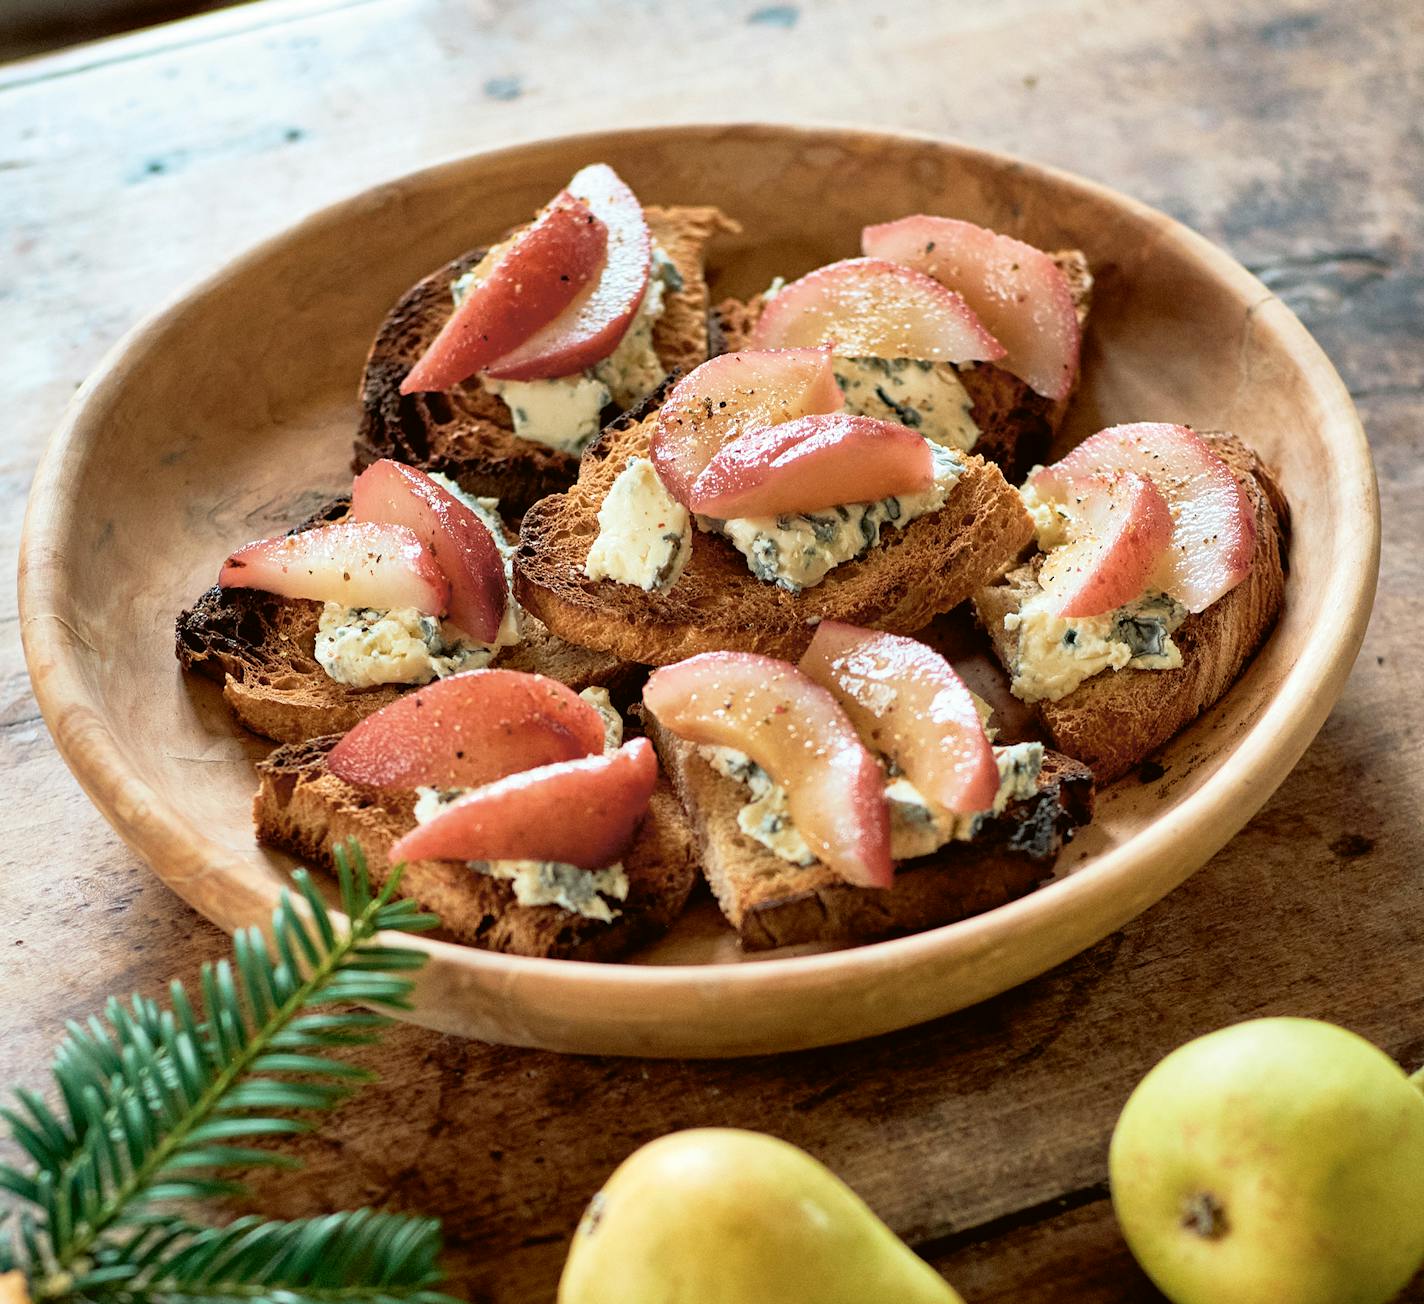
(722, 1216)
(1278, 1161)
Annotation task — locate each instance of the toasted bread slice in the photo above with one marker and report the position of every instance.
(1116, 718)
(302, 808)
(262, 649)
(1015, 424)
(467, 433)
(773, 903)
(901, 584)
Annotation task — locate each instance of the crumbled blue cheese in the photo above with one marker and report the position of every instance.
(612, 722)
(926, 396)
(429, 802)
(566, 412)
(585, 892)
(644, 533)
(1051, 521)
(550, 883)
(633, 369)
(1053, 654)
(364, 647)
(767, 817)
(797, 551)
(917, 826)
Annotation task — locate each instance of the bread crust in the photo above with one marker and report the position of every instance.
(1117, 718)
(907, 579)
(466, 432)
(1016, 425)
(304, 809)
(773, 903)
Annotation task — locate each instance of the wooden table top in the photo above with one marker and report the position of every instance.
(1287, 130)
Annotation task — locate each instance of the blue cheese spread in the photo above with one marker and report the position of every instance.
(566, 412)
(366, 647)
(1053, 654)
(549, 883)
(644, 533)
(612, 722)
(798, 551)
(766, 818)
(926, 396)
(1051, 522)
(917, 826)
(633, 369)
(586, 892)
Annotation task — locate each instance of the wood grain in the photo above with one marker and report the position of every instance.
(1285, 130)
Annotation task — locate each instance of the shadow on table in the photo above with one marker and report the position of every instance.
(30, 27)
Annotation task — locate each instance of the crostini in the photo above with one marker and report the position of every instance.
(1160, 573)
(406, 581)
(523, 818)
(498, 368)
(857, 794)
(749, 506)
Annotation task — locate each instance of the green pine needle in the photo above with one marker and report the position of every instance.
(154, 1104)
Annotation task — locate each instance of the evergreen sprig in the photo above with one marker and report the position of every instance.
(155, 1105)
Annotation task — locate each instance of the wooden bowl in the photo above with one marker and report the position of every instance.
(226, 415)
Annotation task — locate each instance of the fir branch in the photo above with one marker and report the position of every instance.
(147, 1096)
(309, 1259)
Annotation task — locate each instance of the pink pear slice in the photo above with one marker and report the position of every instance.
(724, 398)
(394, 494)
(794, 729)
(468, 730)
(1213, 538)
(812, 463)
(581, 812)
(909, 704)
(871, 307)
(355, 563)
(535, 279)
(1123, 527)
(1017, 291)
(594, 322)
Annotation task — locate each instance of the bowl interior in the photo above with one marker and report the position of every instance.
(229, 415)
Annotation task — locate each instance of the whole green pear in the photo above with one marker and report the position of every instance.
(721, 1216)
(1275, 1160)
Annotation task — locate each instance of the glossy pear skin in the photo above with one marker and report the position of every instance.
(1213, 543)
(731, 394)
(390, 493)
(813, 463)
(595, 320)
(1126, 528)
(797, 732)
(1015, 290)
(1275, 1160)
(541, 270)
(870, 307)
(721, 1216)
(581, 812)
